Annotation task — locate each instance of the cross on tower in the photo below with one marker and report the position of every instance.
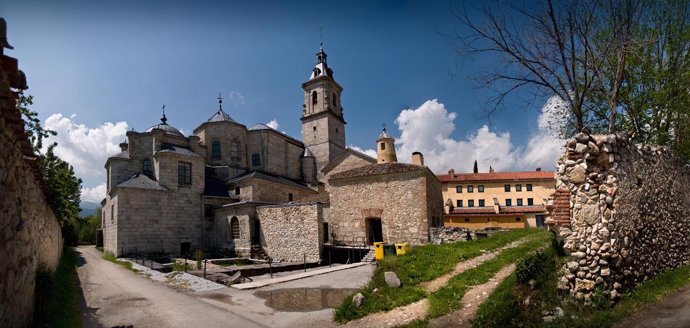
(220, 101)
(321, 37)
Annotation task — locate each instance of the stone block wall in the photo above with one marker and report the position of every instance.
(292, 232)
(30, 236)
(444, 235)
(629, 213)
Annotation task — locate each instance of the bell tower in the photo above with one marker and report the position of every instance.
(323, 125)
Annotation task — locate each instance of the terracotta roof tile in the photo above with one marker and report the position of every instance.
(497, 176)
(504, 210)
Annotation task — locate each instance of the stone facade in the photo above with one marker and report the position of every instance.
(30, 236)
(293, 232)
(629, 214)
(403, 199)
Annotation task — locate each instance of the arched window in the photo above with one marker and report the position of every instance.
(234, 228)
(235, 149)
(215, 150)
(147, 167)
(314, 100)
(335, 99)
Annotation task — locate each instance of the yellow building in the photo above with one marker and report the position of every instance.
(496, 199)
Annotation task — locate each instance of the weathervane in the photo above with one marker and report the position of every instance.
(321, 37)
(220, 101)
(164, 119)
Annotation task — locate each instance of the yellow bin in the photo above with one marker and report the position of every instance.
(402, 248)
(378, 251)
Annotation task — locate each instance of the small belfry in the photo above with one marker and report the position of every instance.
(385, 148)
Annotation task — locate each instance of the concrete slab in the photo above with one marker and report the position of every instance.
(301, 275)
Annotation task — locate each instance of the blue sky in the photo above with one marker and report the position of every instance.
(92, 64)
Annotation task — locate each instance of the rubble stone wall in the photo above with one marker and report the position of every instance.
(444, 235)
(293, 232)
(629, 213)
(30, 236)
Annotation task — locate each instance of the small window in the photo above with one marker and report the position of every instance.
(184, 173)
(530, 201)
(237, 190)
(518, 187)
(480, 188)
(335, 102)
(458, 189)
(314, 100)
(314, 128)
(112, 213)
(519, 202)
(290, 197)
(147, 167)
(518, 219)
(256, 159)
(470, 203)
(482, 203)
(529, 187)
(467, 220)
(208, 210)
(459, 202)
(509, 202)
(470, 189)
(383, 146)
(506, 188)
(215, 150)
(336, 130)
(234, 228)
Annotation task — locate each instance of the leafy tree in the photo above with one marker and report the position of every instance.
(32, 123)
(88, 229)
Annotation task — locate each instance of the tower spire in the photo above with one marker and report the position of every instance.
(220, 101)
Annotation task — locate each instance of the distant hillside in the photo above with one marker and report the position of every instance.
(88, 208)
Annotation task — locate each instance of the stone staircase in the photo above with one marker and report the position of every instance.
(257, 252)
(370, 257)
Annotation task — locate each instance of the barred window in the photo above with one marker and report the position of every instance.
(147, 167)
(234, 228)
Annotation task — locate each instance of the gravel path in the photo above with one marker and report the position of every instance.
(408, 313)
(178, 279)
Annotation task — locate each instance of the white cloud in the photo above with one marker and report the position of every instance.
(369, 152)
(95, 194)
(273, 124)
(86, 149)
(236, 98)
(428, 129)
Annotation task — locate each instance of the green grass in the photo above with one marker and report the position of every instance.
(57, 295)
(110, 257)
(503, 308)
(422, 264)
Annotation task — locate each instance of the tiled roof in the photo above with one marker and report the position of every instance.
(264, 127)
(377, 169)
(497, 176)
(177, 150)
(503, 210)
(141, 181)
(123, 155)
(221, 116)
(266, 176)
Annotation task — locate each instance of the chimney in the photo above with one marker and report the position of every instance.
(124, 146)
(539, 169)
(417, 158)
(491, 169)
(451, 172)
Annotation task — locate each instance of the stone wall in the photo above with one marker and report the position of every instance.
(444, 235)
(30, 237)
(291, 232)
(629, 213)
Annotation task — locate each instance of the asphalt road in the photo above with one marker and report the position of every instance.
(672, 311)
(114, 296)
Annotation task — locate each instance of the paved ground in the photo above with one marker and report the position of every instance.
(115, 296)
(671, 312)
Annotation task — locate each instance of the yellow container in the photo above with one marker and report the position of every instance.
(402, 248)
(378, 251)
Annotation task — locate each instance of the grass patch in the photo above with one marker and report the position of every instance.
(447, 299)
(506, 307)
(424, 263)
(181, 267)
(125, 264)
(57, 294)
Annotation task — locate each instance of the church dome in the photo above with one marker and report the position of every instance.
(163, 125)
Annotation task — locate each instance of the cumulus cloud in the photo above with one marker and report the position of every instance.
(95, 194)
(428, 129)
(273, 124)
(86, 148)
(369, 152)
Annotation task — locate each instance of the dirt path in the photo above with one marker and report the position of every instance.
(671, 312)
(417, 310)
(471, 301)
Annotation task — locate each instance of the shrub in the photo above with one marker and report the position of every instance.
(535, 266)
(198, 256)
